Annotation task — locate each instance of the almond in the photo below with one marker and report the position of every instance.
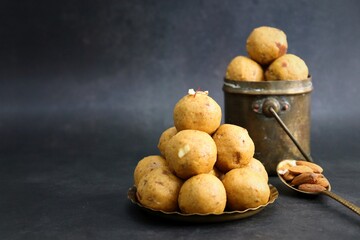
(300, 169)
(307, 177)
(287, 164)
(323, 182)
(320, 175)
(308, 187)
(316, 168)
(288, 176)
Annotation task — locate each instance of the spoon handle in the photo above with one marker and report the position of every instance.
(343, 201)
(287, 131)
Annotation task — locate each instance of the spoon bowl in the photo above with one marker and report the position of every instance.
(289, 162)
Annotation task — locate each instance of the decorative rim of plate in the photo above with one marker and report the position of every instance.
(248, 212)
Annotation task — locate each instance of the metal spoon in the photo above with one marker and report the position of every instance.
(327, 192)
(271, 109)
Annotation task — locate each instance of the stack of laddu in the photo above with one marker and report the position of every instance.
(204, 167)
(268, 59)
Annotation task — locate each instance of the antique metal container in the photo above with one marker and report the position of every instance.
(248, 104)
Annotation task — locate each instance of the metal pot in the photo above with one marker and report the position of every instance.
(258, 106)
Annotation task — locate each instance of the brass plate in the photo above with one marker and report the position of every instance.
(204, 218)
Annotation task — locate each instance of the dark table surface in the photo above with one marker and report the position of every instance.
(75, 193)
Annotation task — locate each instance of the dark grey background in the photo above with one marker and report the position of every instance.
(87, 87)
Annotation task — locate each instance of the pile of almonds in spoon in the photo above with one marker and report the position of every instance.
(303, 175)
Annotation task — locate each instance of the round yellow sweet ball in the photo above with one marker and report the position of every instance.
(191, 152)
(204, 194)
(159, 190)
(147, 164)
(245, 189)
(287, 67)
(197, 112)
(235, 148)
(164, 139)
(257, 166)
(265, 44)
(242, 68)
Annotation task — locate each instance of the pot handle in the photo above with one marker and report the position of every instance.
(270, 108)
